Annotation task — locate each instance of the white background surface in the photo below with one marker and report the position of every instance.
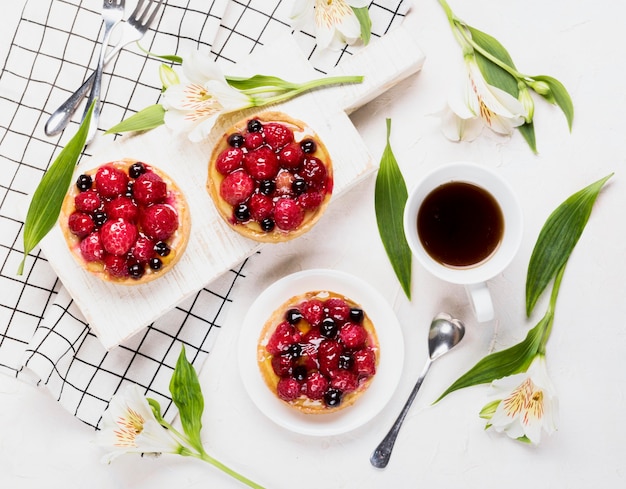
(581, 44)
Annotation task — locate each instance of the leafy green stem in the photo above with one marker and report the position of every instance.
(216, 463)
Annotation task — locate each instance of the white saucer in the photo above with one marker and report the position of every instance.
(389, 368)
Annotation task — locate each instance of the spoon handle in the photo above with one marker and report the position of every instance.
(381, 455)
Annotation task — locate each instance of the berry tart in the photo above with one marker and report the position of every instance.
(126, 222)
(270, 177)
(318, 352)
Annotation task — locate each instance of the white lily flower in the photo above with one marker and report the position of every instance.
(194, 105)
(333, 21)
(480, 104)
(129, 426)
(528, 403)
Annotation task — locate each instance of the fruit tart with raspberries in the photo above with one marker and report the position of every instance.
(270, 177)
(318, 352)
(126, 222)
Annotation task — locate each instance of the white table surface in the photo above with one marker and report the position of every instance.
(41, 445)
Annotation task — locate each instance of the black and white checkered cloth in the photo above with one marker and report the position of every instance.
(43, 336)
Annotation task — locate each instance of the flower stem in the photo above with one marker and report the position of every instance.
(303, 87)
(545, 335)
(216, 463)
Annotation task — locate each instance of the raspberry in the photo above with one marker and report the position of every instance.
(116, 266)
(310, 200)
(352, 335)
(284, 183)
(343, 380)
(159, 221)
(110, 181)
(288, 389)
(91, 247)
(121, 208)
(80, 224)
(236, 187)
(288, 215)
(229, 160)
(315, 385)
(118, 236)
(338, 309)
(260, 206)
(261, 164)
(277, 135)
(284, 335)
(291, 156)
(314, 173)
(143, 249)
(282, 365)
(149, 188)
(253, 140)
(365, 362)
(313, 311)
(328, 355)
(87, 201)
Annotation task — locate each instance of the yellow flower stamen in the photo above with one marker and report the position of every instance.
(330, 12)
(200, 103)
(526, 400)
(131, 426)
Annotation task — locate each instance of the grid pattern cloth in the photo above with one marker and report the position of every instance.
(43, 336)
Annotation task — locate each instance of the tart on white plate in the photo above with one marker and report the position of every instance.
(125, 221)
(318, 352)
(270, 177)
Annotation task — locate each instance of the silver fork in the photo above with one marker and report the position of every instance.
(112, 14)
(135, 28)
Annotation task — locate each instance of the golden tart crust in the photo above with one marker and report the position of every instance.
(251, 228)
(177, 242)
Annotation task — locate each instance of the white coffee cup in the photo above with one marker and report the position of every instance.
(474, 276)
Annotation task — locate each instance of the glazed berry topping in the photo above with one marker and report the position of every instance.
(84, 182)
(315, 385)
(338, 309)
(282, 365)
(299, 373)
(288, 389)
(293, 316)
(329, 328)
(328, 354)
(353, 335)
(365, 362)
(346, 361)
(242, 212)
(333, 397)
(124, 217)
(265, 160)
(356, 315)
(313, 311)
(308, 146)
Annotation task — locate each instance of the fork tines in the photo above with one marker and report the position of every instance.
(140, 15)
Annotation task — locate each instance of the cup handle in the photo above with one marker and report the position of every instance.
(481, 301)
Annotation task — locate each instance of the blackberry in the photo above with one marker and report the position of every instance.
(161, 248)
(254, 125)
(136, 169)
(236, 140)
(84, 182)
(308, 146)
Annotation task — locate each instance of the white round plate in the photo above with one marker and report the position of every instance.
(384, 382)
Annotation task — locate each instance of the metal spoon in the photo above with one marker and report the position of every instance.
(445, 333)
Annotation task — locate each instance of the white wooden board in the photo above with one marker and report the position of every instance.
(116, 312)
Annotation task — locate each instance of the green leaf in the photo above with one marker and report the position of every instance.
(187, 395)
(259, 81)
(156, 408)
(489, 410)
(494, 74)
(559, 94)
(45, 205)
(557, 239)
(148, 118)
(503, 363)
(528, 131)
(363, 16)
(167, 57)
(390, 196)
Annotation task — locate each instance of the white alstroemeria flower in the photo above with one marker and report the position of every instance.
(129, 426)
(528, 403)
(479, 105)
(193, 105)
(333, 21)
